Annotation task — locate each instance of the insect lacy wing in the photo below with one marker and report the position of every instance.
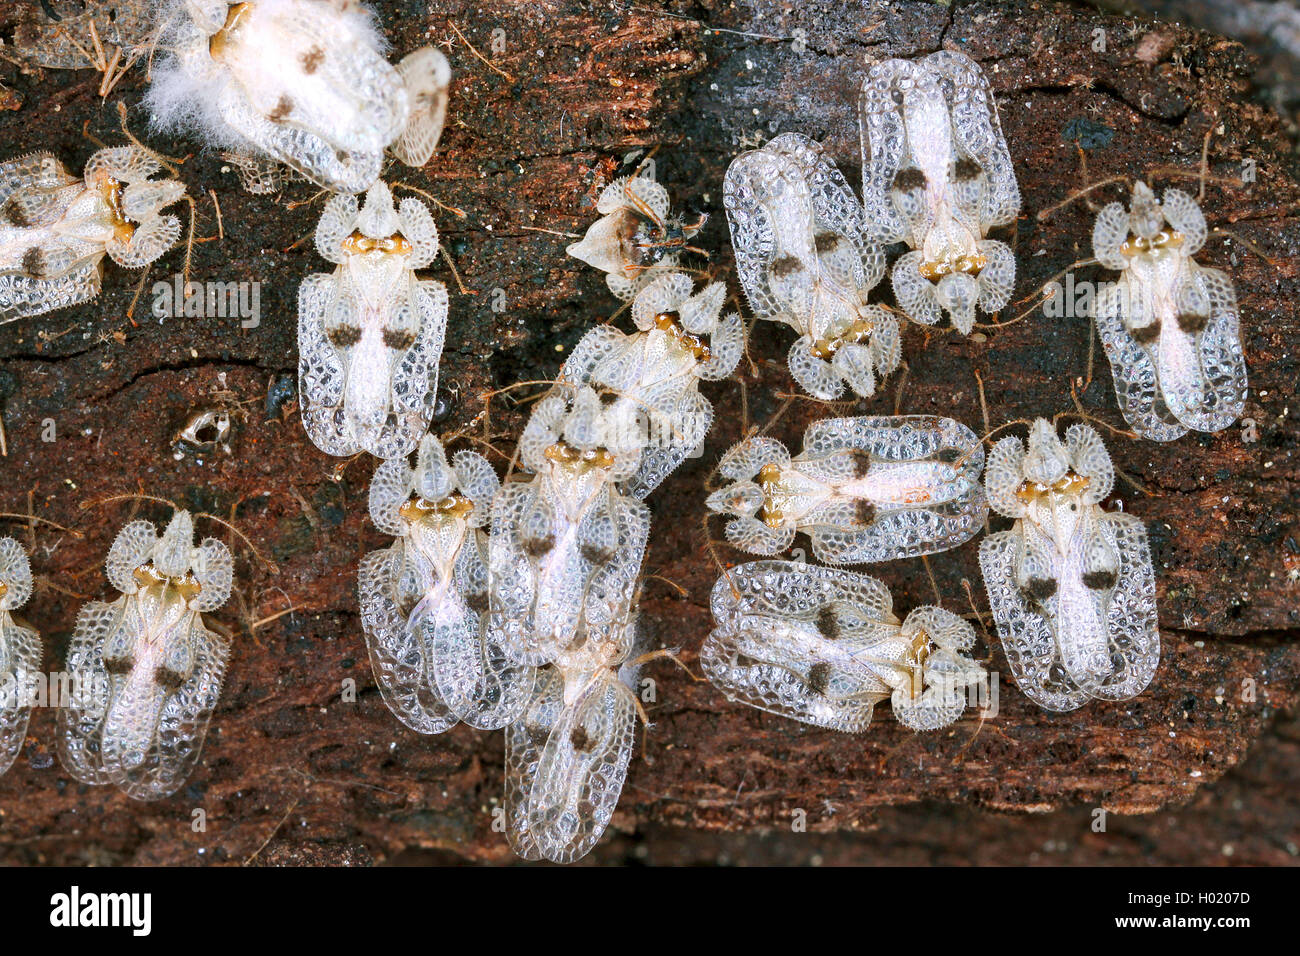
(897, 438)
(398, 653)
(1220, 393)
(857, 262)
(880, 125)
(751, 535)
(595, 348)
(81, 718)
(20, 664)
(1182, 212)
(1028, 638)
(998, 277)
(525, 738)
(1003, 476)
(581, 770)
(478, 480)
(473, 673)
(1089, 458)
(31, 188)
(22, 296)
(727, 344)
(36, 190)
(608, 589)
(752, 655)
(427, 76)
(690, 423)
(415, 379)
(513, 577)
(180, 725)
(978, 132)
(321, 370)
(390, 487)
(1131, 615)
(1108, 234)
(769, 209)
(1136, 385)
(959, 508)
(732, 658)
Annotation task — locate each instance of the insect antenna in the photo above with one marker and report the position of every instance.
(169, 163)
(934, 585)
(138, 496)
(31, 519)
(458, 213)
(1045, 214)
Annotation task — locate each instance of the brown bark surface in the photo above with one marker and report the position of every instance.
(1193, 771)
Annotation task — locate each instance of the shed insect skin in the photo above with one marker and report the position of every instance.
(147, 672)
(652, 376)
(936, 173)
(299, 82)
(863, 489)
(20, 651)
(636, 239)
(370, 334)
(1170, 326)
(823, 646)
(56, 229)
(422, 597)
(1072, 587)
(807, 256)
(566, 544)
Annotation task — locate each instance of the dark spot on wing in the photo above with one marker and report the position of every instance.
(399, 340)
(828, 624)
(595, 553)
(536, 547)
(864, 512)
(282, 110)
(1191, 322)
(826, 242)
(16, 215)
(167, 678)
(819, 677)
(117, 665)
(1099, 580)
(861, 462)
(34, 262)
(1040, 589)
(966, 169)
(786, 265)
(344, 336)
(312, 59)
(1147, 334)
(909, 178)
(580, 739)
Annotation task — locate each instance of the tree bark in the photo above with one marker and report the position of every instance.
(1192, 771)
